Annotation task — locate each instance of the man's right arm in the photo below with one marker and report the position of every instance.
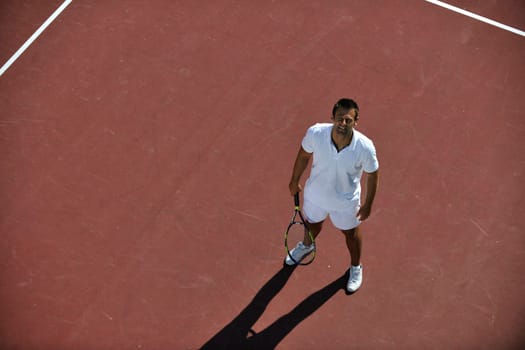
(301, 162)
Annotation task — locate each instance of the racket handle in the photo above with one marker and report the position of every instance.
(296, 199)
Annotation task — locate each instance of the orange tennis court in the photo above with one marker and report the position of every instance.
(146, 153)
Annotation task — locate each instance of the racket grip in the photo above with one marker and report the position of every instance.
(296, 199)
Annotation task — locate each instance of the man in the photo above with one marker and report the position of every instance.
(340, 156)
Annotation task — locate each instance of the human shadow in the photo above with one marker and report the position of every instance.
(238, 334)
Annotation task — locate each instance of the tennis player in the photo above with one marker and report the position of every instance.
(340, 155)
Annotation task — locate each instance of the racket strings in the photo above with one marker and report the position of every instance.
(299, 237)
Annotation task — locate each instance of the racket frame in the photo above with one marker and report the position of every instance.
(302, 222)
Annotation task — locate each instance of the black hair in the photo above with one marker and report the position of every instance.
(346, 103)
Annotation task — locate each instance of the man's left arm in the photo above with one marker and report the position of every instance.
(372, 180)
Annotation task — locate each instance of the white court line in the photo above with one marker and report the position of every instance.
(478, 17)
(34, 36)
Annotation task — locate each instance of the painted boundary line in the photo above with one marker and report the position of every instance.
(477, 17)
(34, 36)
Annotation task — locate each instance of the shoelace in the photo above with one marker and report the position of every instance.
(303, 248)
(355, 275)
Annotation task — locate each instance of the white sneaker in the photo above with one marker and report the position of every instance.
(298, 253)
(355, 279)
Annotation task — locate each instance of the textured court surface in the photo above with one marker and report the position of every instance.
(146, 149)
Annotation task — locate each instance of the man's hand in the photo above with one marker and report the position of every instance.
(364, 212)
(294, 187)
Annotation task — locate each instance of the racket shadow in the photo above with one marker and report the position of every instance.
(238, 334)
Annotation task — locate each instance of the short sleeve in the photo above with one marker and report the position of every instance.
(370, 163)
(308, 142)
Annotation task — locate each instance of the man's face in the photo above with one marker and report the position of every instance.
(344, 121)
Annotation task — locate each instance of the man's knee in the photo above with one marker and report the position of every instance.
(351, 233)
(316, 227)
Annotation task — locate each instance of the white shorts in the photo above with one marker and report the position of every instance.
(342, 219)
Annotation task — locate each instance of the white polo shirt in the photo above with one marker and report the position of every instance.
(335, 177)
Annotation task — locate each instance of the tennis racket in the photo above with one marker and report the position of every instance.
(296, 232)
